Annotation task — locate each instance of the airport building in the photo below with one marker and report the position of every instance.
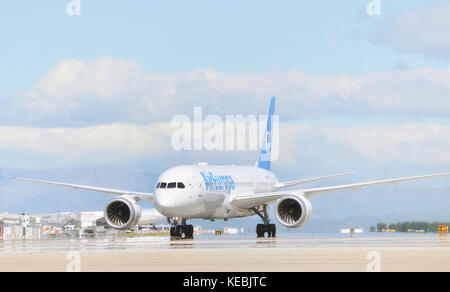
(73, 224)
(88, 224)
(14, 226)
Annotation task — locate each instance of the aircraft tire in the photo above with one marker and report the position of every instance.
(189, 229)
(260, 230)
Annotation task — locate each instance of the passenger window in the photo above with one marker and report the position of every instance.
(162, 185)
(180, 185)
(172, 185)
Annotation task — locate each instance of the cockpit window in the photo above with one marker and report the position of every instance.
(172, 185)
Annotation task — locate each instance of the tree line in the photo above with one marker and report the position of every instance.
(410, 226)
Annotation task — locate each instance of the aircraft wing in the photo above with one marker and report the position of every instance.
(308, 180)
(252, 200)
(316, 191)
(138, 195)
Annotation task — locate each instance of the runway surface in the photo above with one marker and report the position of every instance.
(304, 252)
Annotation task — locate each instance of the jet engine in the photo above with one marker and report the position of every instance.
(293, 211)
(122, 213)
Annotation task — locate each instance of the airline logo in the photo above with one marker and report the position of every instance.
(218, 182)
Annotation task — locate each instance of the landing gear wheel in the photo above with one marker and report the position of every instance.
(260, 230)
(181, 232)
(189, 229)
(172, 232)
(176, 232)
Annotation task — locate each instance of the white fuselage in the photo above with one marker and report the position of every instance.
(208, 190)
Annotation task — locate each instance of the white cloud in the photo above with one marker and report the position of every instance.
(409, 143)
(108, 90)
(112, 112)
(362, 147)
(423, 30)
(103, 144)
(320, 146)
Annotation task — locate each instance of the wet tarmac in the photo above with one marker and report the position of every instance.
(158, 243)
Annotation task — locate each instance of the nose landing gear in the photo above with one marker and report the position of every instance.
(180, 232)
(262, 229)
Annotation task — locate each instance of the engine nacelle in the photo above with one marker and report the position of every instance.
(293, 211)
(122, 213)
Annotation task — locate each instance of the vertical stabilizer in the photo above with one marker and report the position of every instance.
(265, 153)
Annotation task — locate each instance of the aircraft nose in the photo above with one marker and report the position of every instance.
(166, 200)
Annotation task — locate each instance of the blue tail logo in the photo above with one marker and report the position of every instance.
(265, 154)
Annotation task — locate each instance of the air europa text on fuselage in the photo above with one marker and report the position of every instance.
(218, 182)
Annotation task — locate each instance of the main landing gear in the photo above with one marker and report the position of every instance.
(183, 231)
(262, 229)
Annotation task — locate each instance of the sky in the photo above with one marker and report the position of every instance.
(360, 92)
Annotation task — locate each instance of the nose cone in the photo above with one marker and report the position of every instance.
(165, 203)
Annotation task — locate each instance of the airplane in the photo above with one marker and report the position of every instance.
(214, 192)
